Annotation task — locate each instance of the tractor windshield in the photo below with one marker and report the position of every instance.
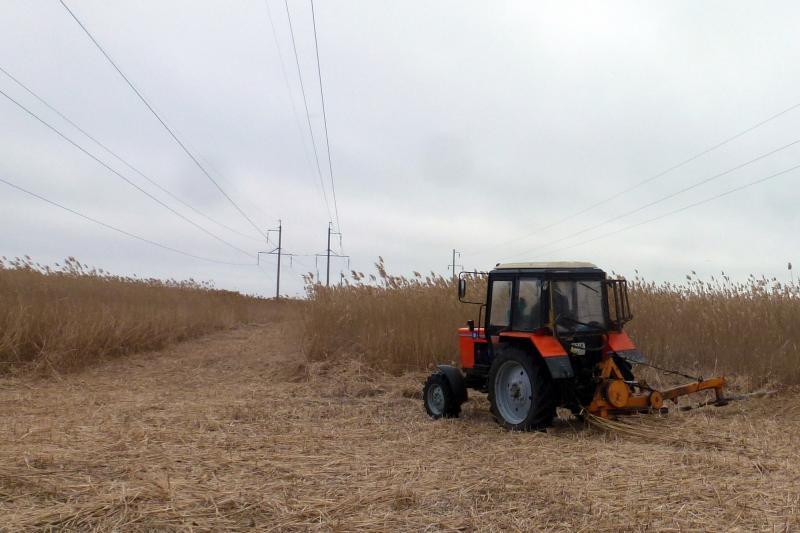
(578, 305)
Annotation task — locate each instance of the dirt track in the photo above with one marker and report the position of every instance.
(235, 431)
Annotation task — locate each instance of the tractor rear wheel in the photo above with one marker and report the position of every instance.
(521, 393)
(440, 402)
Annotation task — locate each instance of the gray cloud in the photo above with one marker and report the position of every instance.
(452, 124)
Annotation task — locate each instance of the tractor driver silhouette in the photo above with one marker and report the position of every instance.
(562, 303)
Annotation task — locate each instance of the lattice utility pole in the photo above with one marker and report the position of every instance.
(279, 252)
(329, 253)
(453, 265)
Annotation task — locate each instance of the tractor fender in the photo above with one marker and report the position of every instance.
(621, 344)
(554, 356)
(456, 381)
(550, 351)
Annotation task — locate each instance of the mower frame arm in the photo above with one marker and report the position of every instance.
(690, 388)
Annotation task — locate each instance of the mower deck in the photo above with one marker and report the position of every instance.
(613, 395)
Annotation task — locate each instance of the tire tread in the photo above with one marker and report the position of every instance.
(543, 408)
(452, 408)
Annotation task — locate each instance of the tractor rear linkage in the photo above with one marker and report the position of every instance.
(614, 396)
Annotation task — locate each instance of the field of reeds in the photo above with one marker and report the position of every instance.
(270, 427)
(65, 316)
(391, 322)
(396, 323)
(68, 315)
(236, 432)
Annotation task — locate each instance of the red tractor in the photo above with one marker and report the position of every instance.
(550, 335)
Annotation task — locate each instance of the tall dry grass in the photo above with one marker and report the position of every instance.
(67, 316)
(392, 322)
(396, 323)
(751, 328)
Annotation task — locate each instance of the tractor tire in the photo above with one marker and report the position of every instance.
(440, 401)
(521, 392)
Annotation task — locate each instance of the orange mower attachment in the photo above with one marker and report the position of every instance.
(615, 396)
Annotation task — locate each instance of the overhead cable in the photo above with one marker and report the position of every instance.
(120, 158)
(678, 210)
(121, 176)
(308, 115)
(119, 230)
(297, 121)
(649, 179)
(665, 198)
(325, 119)
(163, 123)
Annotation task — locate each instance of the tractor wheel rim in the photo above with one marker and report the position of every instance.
(436, 399)
(513, 392)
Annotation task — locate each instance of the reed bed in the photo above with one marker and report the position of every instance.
(751, 328)
(237, 432)
(392, 322)
(66, 316)
(397, 323)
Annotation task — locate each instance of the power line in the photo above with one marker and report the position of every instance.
(163, 123)
(291, 99)
(119, 230)
(305, 103)
(651, 178)
(301, 263)
(664, 198)
(678, 210)
(325, 118)
(117, 156)
(209, 165)
(128, 181)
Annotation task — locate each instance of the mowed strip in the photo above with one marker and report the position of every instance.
(235, 431)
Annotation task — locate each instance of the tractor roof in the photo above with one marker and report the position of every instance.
(559, 268)
(545, 265)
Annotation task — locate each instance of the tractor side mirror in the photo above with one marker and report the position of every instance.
(462, 288)
(471, 325)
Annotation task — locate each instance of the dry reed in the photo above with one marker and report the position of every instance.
(750, 328)
(397, 323)
(67, 316)
(235, 432)
(392, 322)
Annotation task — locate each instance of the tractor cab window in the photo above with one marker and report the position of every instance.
(578, 305)
(528, 313)
(501, 304)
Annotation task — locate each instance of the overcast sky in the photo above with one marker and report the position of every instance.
(467, 125)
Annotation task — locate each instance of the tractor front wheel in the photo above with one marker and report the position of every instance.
(440, 402)
(521, 393)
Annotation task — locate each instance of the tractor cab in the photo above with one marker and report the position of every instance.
(566, 310)
(571, 300)
(548, 335)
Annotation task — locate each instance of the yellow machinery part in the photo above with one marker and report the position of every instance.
(617, 393)
(614, 396)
